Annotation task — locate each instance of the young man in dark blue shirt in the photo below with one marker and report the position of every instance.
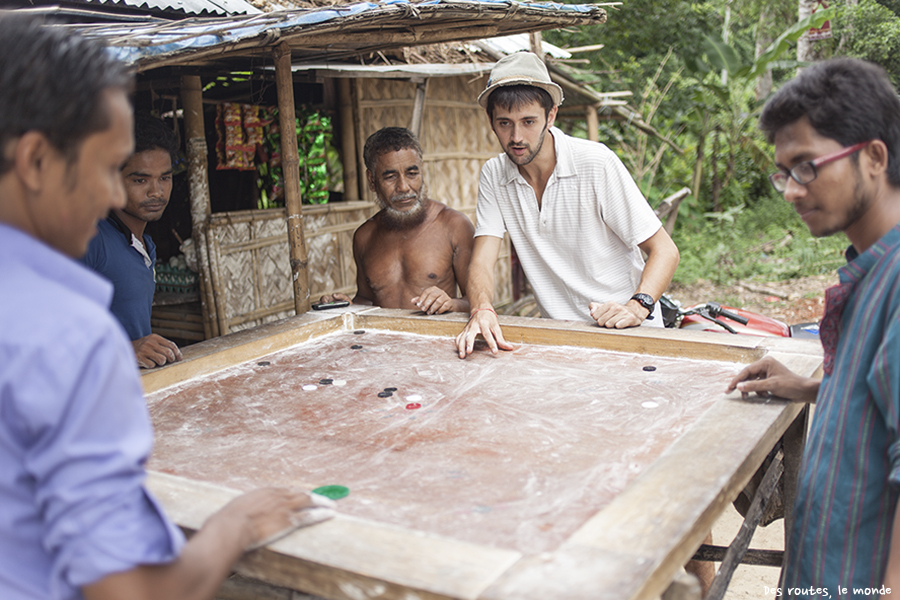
(124, 254)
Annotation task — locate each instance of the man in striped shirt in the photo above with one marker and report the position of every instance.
(836, 130)
(573, 212)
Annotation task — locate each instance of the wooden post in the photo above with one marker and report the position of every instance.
(362, 137)
(198, 176)
(593, 122)
(290, 164)
(794, 441)
(348, 140)
(537, 45)
(415, 122)
(741, 541)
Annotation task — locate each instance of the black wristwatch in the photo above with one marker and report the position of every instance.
(647, 301)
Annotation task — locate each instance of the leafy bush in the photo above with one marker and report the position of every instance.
(766, 242)
(874, 34)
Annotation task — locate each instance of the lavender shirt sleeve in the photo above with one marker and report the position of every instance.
(86, 435)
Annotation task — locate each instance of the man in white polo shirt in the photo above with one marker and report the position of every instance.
(574, 214)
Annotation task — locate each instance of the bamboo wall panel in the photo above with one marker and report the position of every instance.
(384, 103)
(273, 266)
(252, 260)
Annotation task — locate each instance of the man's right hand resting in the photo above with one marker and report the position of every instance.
(485, 322)
(155, 350)
(246, 523)
(337, 297)
(768, 377)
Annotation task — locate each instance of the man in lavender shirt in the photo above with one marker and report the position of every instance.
(76, 520)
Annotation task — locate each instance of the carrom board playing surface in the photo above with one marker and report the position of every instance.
(509, 476)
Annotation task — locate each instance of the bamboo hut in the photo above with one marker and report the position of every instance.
(261, 265)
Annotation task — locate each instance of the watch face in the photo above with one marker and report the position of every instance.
(645, 300)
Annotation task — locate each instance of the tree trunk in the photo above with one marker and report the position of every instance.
(807, 49)
(715, 183)
(763, 41)
(725, 31)
(847, 29)
(698, 161)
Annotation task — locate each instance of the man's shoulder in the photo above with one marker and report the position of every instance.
(443, 211)
(40, 321)
(591, 161)
(101, 245)
(107, 232)
(364, 232)
(450, 217)
(584, 151)
(151, 246)
(58, 349)
(43, 289)
(495, 167)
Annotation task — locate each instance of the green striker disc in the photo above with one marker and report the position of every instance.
(335, 492)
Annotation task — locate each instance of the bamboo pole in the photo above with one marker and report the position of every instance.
(536, 44)
(198, 176)
(348, 141)
(290, 164)
(584, 48)
(360, 135)
(217, 281)
(415, 122)
(440, 32)
(593, 123)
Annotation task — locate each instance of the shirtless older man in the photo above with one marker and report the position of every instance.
(414, 252)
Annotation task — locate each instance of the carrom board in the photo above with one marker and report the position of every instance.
(583, 464)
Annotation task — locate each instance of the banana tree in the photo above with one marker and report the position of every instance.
(723, 115)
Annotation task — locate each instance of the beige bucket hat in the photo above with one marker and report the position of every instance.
(521, 68)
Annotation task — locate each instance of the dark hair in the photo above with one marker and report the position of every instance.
(51, 81)
(847, 100)
(389, 139)
(151, 133)
(511, 97)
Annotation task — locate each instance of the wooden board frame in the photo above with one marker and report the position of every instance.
(629, 550)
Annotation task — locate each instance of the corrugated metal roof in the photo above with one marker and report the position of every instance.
(219, 8)
(194, 7)
(336, 33)
(511, 44)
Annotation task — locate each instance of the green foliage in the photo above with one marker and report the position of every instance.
(637, 36)
(730, 228)
(892, 5)
(789, 36)
(724, 115)
(873, 33)
(769, 243)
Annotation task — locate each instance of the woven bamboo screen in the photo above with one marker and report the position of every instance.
(250, 265)
(456, 138)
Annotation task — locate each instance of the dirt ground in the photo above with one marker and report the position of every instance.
(794, 301)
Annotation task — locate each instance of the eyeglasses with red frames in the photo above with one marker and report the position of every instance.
(806, 172)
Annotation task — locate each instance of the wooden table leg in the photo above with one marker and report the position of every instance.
(794, 441)
(683, 587)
